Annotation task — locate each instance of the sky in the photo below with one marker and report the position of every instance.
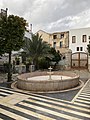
(51, 15)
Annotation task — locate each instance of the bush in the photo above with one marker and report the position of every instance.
(6, 67)
(43, 63)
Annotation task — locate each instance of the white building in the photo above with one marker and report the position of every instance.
(28, 35)
(78, 39)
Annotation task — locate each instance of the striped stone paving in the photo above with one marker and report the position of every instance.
(83, 97)
(26, 106)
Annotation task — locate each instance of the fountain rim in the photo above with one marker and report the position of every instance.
(14, 86)
(25, 76)
(47, 86)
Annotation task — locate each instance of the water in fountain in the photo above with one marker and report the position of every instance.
(50, 77)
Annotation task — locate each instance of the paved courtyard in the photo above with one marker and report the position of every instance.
(72, 105)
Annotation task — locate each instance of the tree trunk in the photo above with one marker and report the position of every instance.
(35, 61)
(9, 68)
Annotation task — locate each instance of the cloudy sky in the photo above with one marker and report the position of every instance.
(51, 15)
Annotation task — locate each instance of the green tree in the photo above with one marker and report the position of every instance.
(44, 63)
(12, 30)
(56, 56)
(37, 48)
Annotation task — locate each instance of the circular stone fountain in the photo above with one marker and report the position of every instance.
(42, 82)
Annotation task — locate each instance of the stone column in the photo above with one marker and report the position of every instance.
(32, 68)
(68, 59)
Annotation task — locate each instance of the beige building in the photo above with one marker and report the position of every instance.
(58, 40)
(45, 36)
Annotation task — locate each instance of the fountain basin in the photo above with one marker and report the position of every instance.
(40, 82)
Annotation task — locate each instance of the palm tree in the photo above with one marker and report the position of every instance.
(36, 48)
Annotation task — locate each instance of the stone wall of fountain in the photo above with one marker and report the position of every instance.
(48, 85)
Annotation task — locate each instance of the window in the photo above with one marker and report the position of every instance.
(89, 37)
(54, 44)
(54, 36)
(77, 48)
(61, 44)
(73, 39)
(81, 48)
(62, 36)
(84, 38)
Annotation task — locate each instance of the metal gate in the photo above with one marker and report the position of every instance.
(79, 60)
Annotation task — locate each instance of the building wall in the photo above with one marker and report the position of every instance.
(79, 33)
(50, 38)
(28, 35)
(61, 40)
(45, 36)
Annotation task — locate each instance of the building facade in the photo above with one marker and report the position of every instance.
(45, 36)
(79, 39)
(58, 40)
(28, 35)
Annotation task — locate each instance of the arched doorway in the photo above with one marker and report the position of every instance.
(79, 60)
